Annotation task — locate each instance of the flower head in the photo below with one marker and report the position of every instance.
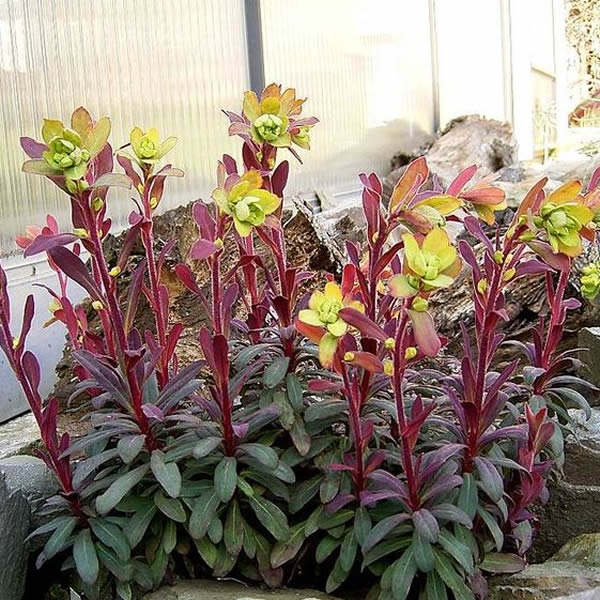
(432, 265)
(147, 146)
(590, 281)
(245, 201)
(326, 326)
(67, 151)
(564, 218)
(273, 119)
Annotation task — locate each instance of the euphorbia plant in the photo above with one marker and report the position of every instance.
(326, 428)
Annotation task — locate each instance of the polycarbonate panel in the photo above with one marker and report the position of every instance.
(470, 58)
(171, 64)
(366, 69)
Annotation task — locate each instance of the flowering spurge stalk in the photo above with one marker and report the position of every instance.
(27, 370)
(149, 184)
(87, 189)
(266, 125)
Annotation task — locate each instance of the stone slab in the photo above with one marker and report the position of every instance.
(229, 590)
(17, 434)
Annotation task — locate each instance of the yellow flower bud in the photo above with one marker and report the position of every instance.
(508, 275)
(115, 271)
(153, 202)
(97, 305)
(97, 204)
(388, 367)
(482, 286)
(349, 356)
(219, 243)
(420, 304)
(140, 188)
(410, 353)
(16, 341)
(499, 256)
(375, 237)
(390, 343)
(81, 233)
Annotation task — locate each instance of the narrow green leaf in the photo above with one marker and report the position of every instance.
(460, 552)
(249, 541)
(325, 547)
(86, 559)
(169, 537)
(263, 454)
(122, 570)
(203, 513)
(300, 437)
(287, 550)
(207, 550)
(493, 527)
(385, 548)
(276, 371)
(271, 516)
(490, 479)
(112, 536)
(205, 446)
(119, 488)
(139, 523)
(435, 589)
(422, 552)
(233, 532)
(51, 526)
(215, 530)
(167, 474)
(59, 538)
(123, 590)
(142, 574)
(403, 574)
(362, 524)
(226, 478)
(294, 392)
(467, 497)
(170, 507)
(336, 577)
(130, 446)
(451, 578)
(303, 493)
(348, 551)
(325, 410)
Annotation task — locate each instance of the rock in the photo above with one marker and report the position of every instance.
(14, 528)
(227, 590)
(17, 435)
(574, 499)
(472, 140)
(571, 510)
(551, 580)
(468, 140)
(25, 482)
(583, 550)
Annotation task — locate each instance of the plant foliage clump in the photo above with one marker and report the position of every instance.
(328, 428)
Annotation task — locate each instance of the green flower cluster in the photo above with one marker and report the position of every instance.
(590, 281)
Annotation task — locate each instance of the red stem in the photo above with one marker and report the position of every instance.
(397, 379)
